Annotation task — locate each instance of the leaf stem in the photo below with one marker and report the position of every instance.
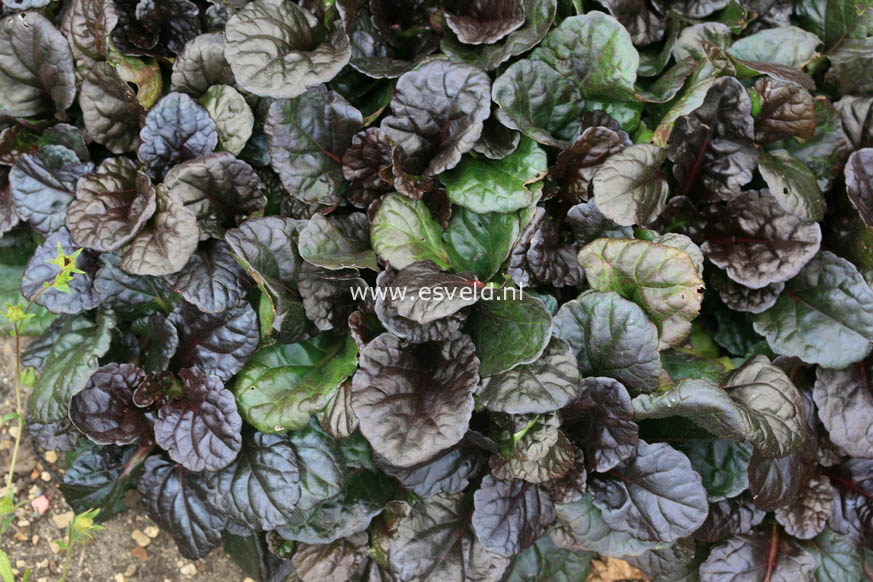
(19, 409)
(69, 552)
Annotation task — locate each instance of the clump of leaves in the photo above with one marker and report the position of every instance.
(439, 290)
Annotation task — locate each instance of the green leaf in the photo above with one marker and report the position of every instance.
(509, 332)
(480, 242)
(546, 561)
(72, 360)
(596, 52)
(824, 316)
(337, 243)
(837, 557)
(690, 99)
(630, 188)
(233, 117)
(846, 19)
(659, 278)
(788, 45)
(283, 385)
(722, 464)
(403, 232)
(6, 568)
(793, 184)
(538, 101)
(484, 185)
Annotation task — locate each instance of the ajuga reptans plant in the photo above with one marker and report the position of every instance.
(295, 226)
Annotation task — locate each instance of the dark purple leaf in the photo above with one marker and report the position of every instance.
(777, 482)
(212, 280)
(98, 478)
(337, 560)
(327, 295)
(111, 206)
(435, 542)
(757, 402)
(173, 498)
(449, 472)
(786, 110)
(761, 557)
(540, 253)
(279, 49)
(547, 384)
(338, 242)
(497, 141)
(219, 344)
(630, 187)
(219, 189)
(548, 465)
(43, 184)
(55, 436)
(806, 517)
(576, 166)
(570, 487)
(176, 129)
(645, 21)
(859, 183)
(601, 417)
(414, 401)
(580, 526)
(509, 516)
(369, 153)
(200, 430)
(728, 517)
(484, 21)
(36, 74)
(153, 27)
(110, 110)
(163, 341)
(200, 65)
(655, 495)
(672, 560)
(741, 298)
(307, 138)
(442, 328)
(712, 148)
(612, 337)
(124, 292)
(437, 114)
(166, 242)
(260, 489)
(857, 120)
(852, 513)
(844, 402)
(374, 57)
(104, 410)
(824, 316)
(758, 242)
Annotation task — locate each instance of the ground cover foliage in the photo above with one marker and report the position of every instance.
(684, 190)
